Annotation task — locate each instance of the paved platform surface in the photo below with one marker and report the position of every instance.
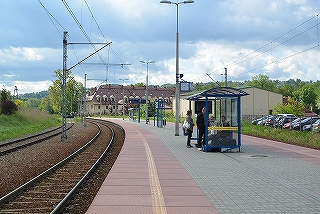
(156, 173)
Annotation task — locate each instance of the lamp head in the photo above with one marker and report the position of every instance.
(165, 2)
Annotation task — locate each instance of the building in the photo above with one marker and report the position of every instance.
(259, 102)
(110, 99)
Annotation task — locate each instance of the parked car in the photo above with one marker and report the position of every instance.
(308, 120)
(316, 126)
(288, 125)
(307, 127)
(265, 120)
(284, 120)
(279, 117)
(270, 120)
(255, 121)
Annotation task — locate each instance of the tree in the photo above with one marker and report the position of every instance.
(5, 95)
(7, 106)
(73, 91)
(285, 89)
(199, 86)
(45, 105)
(262, 81)
(140, 84)
(306, 96)
(292, 107)
(32, 103)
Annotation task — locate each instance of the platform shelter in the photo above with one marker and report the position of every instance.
(220, 135)
(159, 113)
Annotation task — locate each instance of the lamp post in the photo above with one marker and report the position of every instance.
(147, 62)
(123, 97)
(177, 95)
(225, 77)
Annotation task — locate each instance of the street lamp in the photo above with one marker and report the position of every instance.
(225, 77)
(147, 62)
(123, 97)
(177, 95)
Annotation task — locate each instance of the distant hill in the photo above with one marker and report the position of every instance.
(38, 95)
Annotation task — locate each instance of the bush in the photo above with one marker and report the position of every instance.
(8, 107)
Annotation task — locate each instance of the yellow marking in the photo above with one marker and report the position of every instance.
(158, 204)
(223, 128)
(291, 150)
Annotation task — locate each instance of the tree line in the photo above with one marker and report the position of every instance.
(300, 94)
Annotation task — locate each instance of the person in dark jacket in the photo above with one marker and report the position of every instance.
(189, 130)
(201, 127)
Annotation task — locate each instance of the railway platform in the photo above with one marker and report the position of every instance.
(156, 173)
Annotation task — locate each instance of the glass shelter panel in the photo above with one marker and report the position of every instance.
(223, 124)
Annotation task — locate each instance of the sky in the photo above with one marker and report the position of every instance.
(277, 38)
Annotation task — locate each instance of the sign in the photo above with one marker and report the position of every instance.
(185, 86)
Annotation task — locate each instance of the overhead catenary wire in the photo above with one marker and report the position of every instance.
(98, 26)
(52, 18)
(54, 21)
(87, 36)
(81, 28)
(273, 45)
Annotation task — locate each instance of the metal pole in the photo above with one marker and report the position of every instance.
(100, 105)
(85, 101)
(123, 100)
(177, 95)
(147, 77)
(123, 97)
(64, 137)
(147, 97)
(225, 77)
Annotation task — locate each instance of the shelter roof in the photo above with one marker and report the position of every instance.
(218, 93)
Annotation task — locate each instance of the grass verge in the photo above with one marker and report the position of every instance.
(306, 139)
(26, 121)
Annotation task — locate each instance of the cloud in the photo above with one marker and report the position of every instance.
(277, 38)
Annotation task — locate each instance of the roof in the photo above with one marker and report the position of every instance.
(131, 91)
(218, 93)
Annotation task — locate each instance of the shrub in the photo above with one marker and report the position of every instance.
(8, 107)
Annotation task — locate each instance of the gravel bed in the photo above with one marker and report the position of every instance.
(83, 200)
(19, 167)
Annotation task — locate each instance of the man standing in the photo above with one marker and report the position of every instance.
(201, 127)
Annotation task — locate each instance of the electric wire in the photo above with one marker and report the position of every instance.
(273, 41)
(81, 28)
(98, 26)
(243, 59)
(52, 18)
(87, 36)
(256, 53)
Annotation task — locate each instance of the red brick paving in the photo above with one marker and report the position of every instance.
(127, 187)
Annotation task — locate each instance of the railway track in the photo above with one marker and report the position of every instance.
(15, 145)
(52, 190)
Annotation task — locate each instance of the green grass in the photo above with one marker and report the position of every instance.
(24, 122)
(305, 139)
(28, 121)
